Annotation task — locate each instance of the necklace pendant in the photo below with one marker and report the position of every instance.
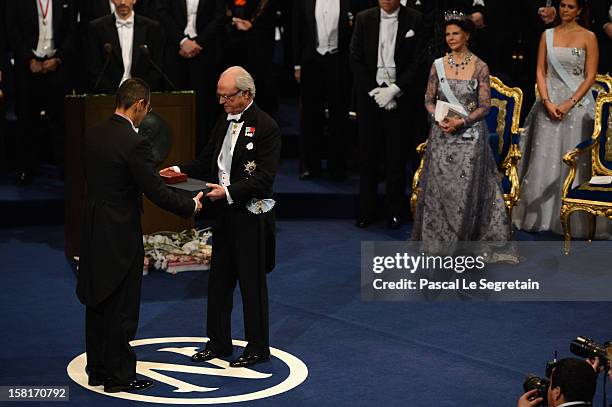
(44, 21)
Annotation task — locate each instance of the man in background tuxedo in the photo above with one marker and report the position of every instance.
(385, 68)
(601, 13)
(42, 34)
(90, 10)
(136, 44)
(118, 168)
(321, 36)
(190, 56)
(242, 158)
(246, 38)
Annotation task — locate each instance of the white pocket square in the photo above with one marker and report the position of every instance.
(64, 5)
(409, 34)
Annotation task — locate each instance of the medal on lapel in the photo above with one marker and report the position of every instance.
(250, 167)
(249, 132)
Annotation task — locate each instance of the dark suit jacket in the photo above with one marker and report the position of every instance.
(265, 153)
(173, 16)
(600, 13)
(89, 10)
(305, 29)
(2, 33)
(118, 168)
(408, 51)
(23, 30)
(146, 32)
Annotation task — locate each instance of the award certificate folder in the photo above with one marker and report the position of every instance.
(190, 186)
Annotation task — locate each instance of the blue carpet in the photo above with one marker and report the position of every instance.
(357, 353)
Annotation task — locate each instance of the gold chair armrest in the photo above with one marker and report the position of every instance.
(417, 177)
(570, 160)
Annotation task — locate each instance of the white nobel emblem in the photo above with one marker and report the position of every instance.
(162, 372)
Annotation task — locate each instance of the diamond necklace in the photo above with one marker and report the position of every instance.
(462, 64)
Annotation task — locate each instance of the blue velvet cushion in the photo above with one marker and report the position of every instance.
(589, 192)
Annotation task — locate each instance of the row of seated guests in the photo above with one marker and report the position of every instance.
(107, 41)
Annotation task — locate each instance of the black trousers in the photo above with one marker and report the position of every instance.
(111, 325)
(385, 137)
(200, 75)
(324, 82)
(36, 93)
(241, 244)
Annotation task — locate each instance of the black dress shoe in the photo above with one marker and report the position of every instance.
(248, 360)
(207, 354)
(306, 175)
(363, 223)
(113, 386)
(394, 223)
(95, 379)
(23, 178)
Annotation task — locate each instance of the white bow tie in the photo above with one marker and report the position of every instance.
(126, 24)
(234, 117)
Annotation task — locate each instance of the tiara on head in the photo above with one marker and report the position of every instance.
(454, 15)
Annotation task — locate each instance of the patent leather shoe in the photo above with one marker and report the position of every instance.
(363, 223)
(307, 175)
(394, 223)
(23, 178)
(249, 360)
(95, 379)
(207, 354)
(113, 386)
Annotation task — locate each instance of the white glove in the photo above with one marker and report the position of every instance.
(392, 105)
(386, 95)
(374, 92)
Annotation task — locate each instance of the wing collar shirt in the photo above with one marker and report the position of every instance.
(327, 13)
(192, 13)
(125, 30)
(46, 44)
(224, 161)
(386, 47)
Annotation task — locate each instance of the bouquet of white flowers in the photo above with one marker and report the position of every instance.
(174, 252)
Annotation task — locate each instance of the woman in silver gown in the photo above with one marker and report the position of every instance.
(557, 122)
(461, 197)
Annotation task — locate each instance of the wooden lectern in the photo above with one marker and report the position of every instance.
(83, 111)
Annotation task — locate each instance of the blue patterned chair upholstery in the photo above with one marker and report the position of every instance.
(503, 123)
(593, 199)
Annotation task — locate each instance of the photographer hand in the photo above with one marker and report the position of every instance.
(525, 402)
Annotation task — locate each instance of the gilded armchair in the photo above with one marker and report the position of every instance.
(595, 199)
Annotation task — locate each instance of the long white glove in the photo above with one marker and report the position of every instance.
(386, 95)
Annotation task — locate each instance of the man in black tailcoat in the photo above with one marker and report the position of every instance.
(385, 68)
(242, 158)
(42, 35)
(118, 168)
(601, 13)
(124, 30)
(321, 36)
(191, 56)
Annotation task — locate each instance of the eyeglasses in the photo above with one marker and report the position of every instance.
(227, 98)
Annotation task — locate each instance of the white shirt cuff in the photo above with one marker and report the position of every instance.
(183, 40)
(228, 196)
(297, 67)
(176, 168)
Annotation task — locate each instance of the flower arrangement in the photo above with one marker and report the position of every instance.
(174, 252)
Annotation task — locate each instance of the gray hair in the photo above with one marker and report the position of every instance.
(244, 80)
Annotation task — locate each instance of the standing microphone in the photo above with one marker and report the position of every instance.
(108, 50)
(145, 50)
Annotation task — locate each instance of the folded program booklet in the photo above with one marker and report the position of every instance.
(445, 109)
(601, 180)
